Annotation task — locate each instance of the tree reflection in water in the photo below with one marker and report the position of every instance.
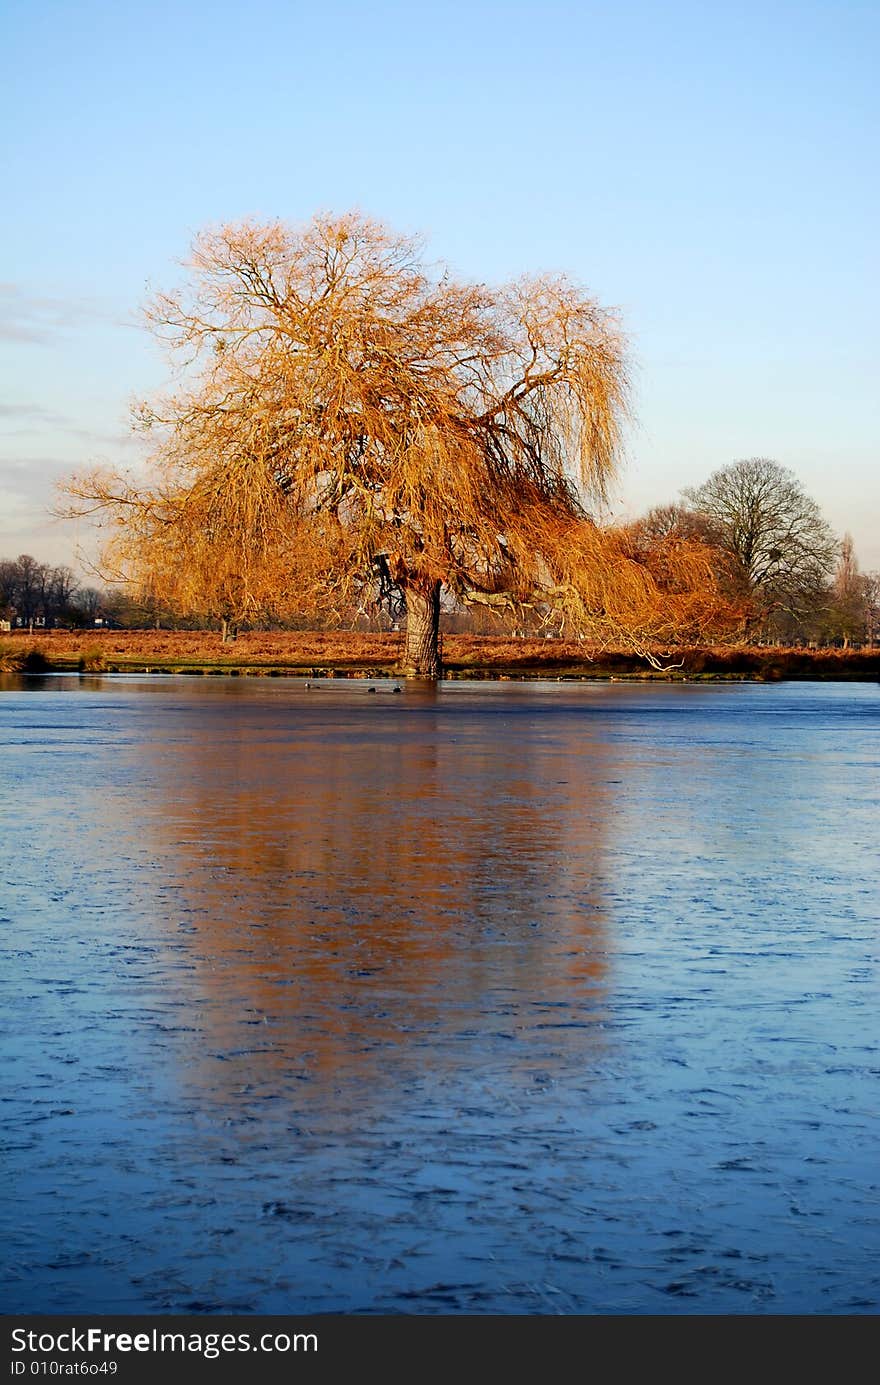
(375, 887)
(516, 999)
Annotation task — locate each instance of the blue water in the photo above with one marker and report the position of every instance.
(491, 998)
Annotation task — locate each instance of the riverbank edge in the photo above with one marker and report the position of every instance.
(342, 655)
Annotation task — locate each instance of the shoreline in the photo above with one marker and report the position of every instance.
(350, 654)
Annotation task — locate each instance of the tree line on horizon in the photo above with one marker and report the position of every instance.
(774, 556)
(355, 435)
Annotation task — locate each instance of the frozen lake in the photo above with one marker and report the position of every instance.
(490, 998)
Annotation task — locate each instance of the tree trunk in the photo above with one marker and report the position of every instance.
(422, 656)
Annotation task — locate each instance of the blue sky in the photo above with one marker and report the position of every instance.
(710, 169)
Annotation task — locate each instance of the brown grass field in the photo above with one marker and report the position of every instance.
(352, 654)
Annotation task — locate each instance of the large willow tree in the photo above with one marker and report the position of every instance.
(350, 419)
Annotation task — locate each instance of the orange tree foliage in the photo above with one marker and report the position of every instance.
(351, 419)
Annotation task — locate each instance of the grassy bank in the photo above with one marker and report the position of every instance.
(350, 654)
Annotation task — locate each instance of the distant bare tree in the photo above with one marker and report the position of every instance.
(872, 607)
(31, 591)
(782, 546)
(7, 588)
(89, 602)
(677, 521)
(29, 588)
(59, 588)
(851, 599)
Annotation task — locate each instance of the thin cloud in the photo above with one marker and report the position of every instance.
(106, 439)
(15, 510)
(36, 419)
(36, 320)
(35, 414)
(39, 471)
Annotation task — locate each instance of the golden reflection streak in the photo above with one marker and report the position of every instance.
(358, 877)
